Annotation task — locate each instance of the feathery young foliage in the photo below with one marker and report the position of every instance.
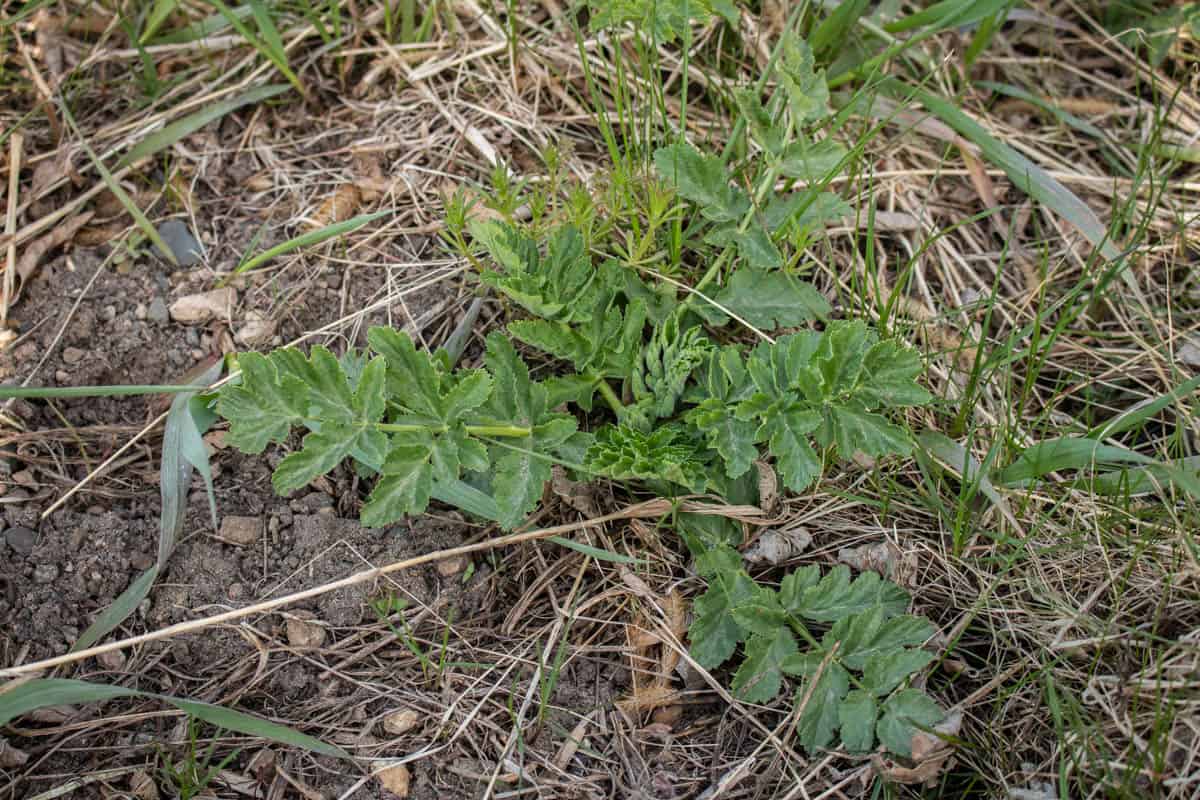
(686, 409)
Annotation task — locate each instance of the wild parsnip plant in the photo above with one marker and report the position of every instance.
(683, 408)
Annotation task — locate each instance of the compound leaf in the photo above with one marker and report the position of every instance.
(904, 713)
(760, 677)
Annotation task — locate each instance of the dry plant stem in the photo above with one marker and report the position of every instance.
(16, 145)
(648, 509)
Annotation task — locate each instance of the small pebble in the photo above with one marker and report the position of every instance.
(141, 561)
(21, 539)
(187, 251)
(236, 591)
(158, 311)
(45, 573)
(140, 312)
(114, 660)
(241, 531)
(73, 355)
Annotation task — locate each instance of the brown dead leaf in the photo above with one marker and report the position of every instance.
(667, 715)
(302, 632)
(142, 786)
(930, 754)
(402, 721)
(579, 496)
(50, 171)
(99, 235)
(768, 487)
(338, 207)
(260, 182)
(571, 744)
(775, 546)
(395, 779)
(648, 698)
(675, 607)
(11, 756)
(884, 558)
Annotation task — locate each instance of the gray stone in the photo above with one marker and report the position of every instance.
(45, 573)
(73, 355)
(187, 251)
(21, 539)
(157, 312)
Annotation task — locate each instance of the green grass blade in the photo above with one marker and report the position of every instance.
(1025, 175)
(206, 27)
(231, 720)
(43, 692)
(595, 552)
(1053, 455)
(118, 611)
(830, 35)
(169, 135)
(468, 498)
(122, 197)
(268, 31)
(309, 239)
(276, 56)
(956, 457)
(1147, 479)
(42, 392)
(1081, 125)
(158, 15)
(948, 14)
(1143, 411)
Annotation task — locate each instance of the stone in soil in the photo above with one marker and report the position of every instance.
(21, 539)
(241, 531)
(45, 573)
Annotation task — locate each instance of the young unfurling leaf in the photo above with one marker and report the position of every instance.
(625, 453)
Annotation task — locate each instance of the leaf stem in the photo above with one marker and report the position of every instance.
(609, 395)
(510, 431)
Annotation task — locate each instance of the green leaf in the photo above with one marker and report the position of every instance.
(812, 161)
(625, 453)
(853, 428)
(892, 370)
(820, 716)
(761, 614)
(703, 180)
(762, 128)
(561, 286)
(836, 596)
(755, 246)
(856, 715)
(732, 438)
(871, 633)
(321, 452)
(714, 633)
(666, 364)
(786, 430)
(807, 93)
(406, 484)
(264, 406)
(904, 713)
(760, 678)
(886, 670)
(799, 212)
(771, 300)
